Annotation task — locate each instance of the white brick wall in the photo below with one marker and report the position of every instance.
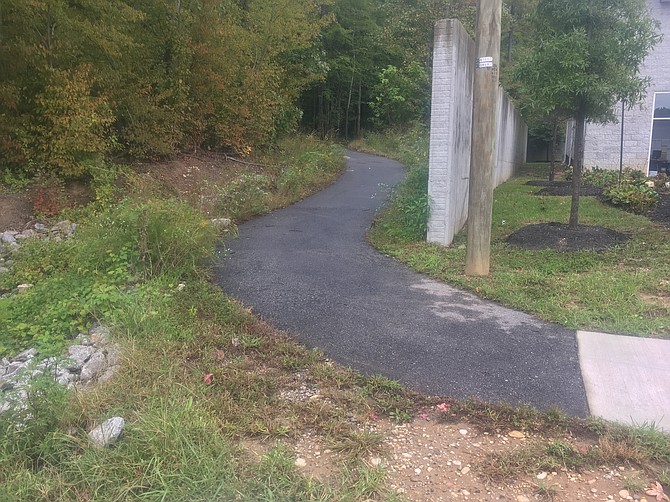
(602, 144)
(450, 132)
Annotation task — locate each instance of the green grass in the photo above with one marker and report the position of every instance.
(186, 439)
(623, 290)
(123, 267)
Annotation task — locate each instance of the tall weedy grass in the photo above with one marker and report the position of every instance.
(406, 219)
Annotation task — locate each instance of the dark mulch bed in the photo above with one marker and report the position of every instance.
(559, 237)
(661, 213)
(563, 188)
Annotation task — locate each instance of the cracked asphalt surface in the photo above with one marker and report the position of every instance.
(308, 270)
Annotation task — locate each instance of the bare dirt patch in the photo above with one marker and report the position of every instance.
(17, 209)
(560, 237)
(430, 461)
(564, 188)
(193, 178)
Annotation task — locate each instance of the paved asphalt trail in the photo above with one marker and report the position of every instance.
(308, 270)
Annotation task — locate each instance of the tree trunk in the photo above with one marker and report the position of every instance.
(358, 116)
(322, 127)
(578, 161)
(554, 146)
(346, 114)
(510, 35)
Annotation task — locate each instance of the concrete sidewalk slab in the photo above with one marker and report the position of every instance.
(627, 379)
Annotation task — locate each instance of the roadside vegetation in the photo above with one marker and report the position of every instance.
(622, 290)
(215, 400)
(219, 405)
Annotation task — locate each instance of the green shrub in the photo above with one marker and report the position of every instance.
(29, 434)
(310, 168)
(245, 195)
(661, 182)
(406, 219)
(638, 198)
(634, 191)
(86, 277)
(599, 177)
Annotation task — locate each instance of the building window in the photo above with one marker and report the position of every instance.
(659, 161)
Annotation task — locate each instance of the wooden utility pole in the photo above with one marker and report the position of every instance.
(483, 153)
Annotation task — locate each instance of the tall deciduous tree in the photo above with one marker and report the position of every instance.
(582, 58)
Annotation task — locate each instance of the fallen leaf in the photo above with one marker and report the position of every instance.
(657, 491)
(373, 416)
(516, 434)
(444, 407)
(425, 416)
(220, 354)
(208, 378)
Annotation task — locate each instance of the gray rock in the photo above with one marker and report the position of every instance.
(221, 223)
(41, 227)
(99, 335)
(83, 339)
(66, 378)
(93, 367)
(26, 234)
(10, 369)
(113, 355)
(23, 288)
(4, 270)
(78, 355)
(8, 237)
(6, 385)
(108, 374)
(108, 432)
(25, 355)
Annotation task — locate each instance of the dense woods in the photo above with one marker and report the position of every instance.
(81, 80)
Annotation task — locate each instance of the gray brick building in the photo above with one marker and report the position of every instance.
(646, 128)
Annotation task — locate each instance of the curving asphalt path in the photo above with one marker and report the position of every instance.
(308, 270)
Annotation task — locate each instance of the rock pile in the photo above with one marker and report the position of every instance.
(94, 358)
(10, 240)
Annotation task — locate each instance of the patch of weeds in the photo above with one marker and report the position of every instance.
(14, 179)
(366, 483)
(357, 444)
(328, 374)
(278, 479)
(664, 477)
(502, 416)
(389, 397)
(635, 485)
(545, 491)
(640, 444)
(30, 431)
(529, 458)
(244, 196)
(564, 452)
(105, 182)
